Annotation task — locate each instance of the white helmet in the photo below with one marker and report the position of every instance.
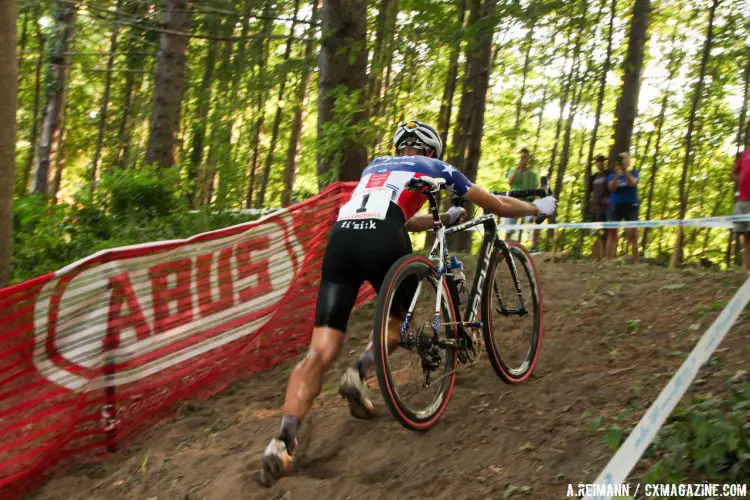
(421, 135)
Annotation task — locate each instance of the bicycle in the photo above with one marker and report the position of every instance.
(444, 340)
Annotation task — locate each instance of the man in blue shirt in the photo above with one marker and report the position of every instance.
(623, 204)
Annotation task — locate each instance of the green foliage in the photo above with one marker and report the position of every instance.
(708, 439)
(48, 236)
(145, 192)
(342, 132)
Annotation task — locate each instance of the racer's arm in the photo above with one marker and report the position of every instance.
(500, 205)
(423, 222)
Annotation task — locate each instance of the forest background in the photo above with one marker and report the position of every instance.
(140, 120)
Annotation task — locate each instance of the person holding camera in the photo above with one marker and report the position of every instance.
(623, 204)
(523, 177)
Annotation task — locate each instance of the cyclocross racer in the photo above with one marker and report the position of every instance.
(369, 236)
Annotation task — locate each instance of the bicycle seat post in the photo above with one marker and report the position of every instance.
(434, 210)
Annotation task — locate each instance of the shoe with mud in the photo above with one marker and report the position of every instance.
(276, 463)
(354, 390)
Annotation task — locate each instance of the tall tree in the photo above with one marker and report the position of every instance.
(528, 44)
(742, 139)
(627, 105)
(473, 102)
(169, 84)
(451, 77)
(261, 54)
(279, 110)
(300, 98)
(8, 105)
(675, 58)
(378, 57)
(200, 120)
(565, 91)
(341, 87)
(59, 41)
(219, 147)
(694, 105)
(103, 110)
(574, 83)
(599, 103)
(35, 113)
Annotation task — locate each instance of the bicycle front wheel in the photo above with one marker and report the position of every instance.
(512, 317)
(415, 348)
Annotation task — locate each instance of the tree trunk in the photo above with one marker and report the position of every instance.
(60, 36)
(744, 141)
(105, 105)
(377, 62)
(200, 122)
(563, 103)
(390, 48)
(599, 104)
(572, 81)
(290, 166)
(219, 154)
(123, 132)
(674, 65)
(449, 89)
(262, 57)
(35, 113)
(59, 160)
(627, 105)
(695, 102)
(8, 105)
(279, 109)
(343, 76)
(133, 81)
(529, 43)
(465, 107)
(169, 84)
(542, 107)
(473, 102)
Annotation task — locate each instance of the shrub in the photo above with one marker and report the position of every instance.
(709, 439)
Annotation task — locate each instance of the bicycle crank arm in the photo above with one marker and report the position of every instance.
(466, 324)
(513, 312)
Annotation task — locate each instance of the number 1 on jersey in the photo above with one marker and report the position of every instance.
(363, 208)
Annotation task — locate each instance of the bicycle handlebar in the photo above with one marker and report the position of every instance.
(523, 193)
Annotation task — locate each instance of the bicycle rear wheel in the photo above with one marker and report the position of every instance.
(415, 352)
(512, 321)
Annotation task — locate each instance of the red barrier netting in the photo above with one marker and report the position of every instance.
(93, 352)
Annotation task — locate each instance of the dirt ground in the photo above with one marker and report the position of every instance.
(613, 335)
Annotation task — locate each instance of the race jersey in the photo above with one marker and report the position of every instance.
(383, 183)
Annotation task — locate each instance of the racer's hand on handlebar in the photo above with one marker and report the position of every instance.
(456, 214)
(546, 205)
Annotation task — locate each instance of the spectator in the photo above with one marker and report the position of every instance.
(523, 177)
(623, 204)
(598, 204)
(741, 174)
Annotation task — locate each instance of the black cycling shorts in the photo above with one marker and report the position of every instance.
(623, 211)
(358, 251)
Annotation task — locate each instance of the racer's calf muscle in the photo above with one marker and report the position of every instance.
(306, 380)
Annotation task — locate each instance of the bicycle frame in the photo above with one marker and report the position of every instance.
(439, 255)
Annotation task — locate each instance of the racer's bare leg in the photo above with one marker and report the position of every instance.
(304, 386)
(306, 380)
